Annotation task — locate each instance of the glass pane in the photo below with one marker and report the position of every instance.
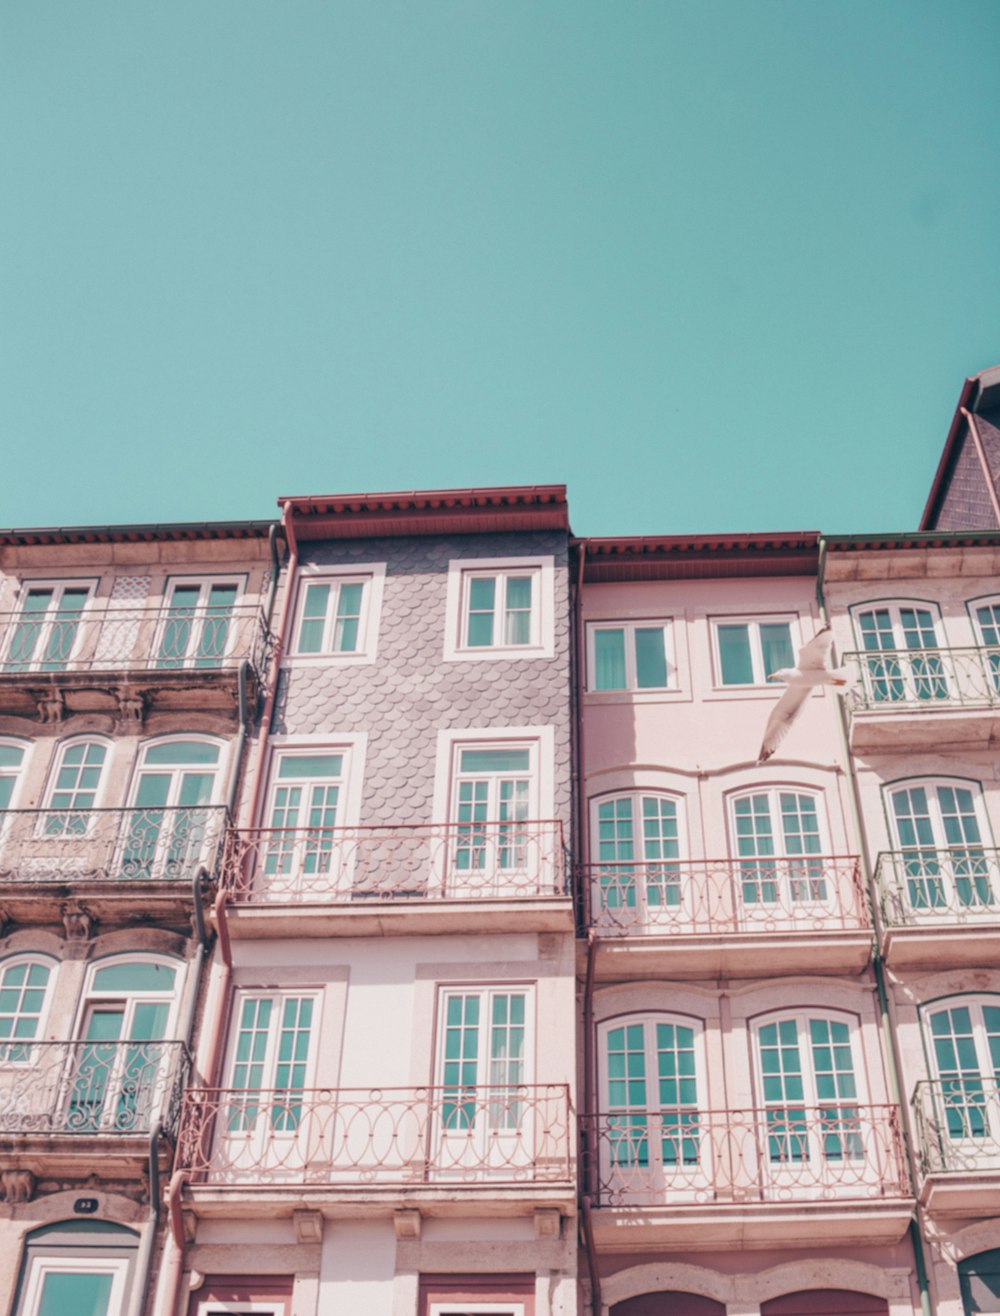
(78, 1292)
(734, 655)
(313, 619)
(650, 658)
(495, 760)
(482, 595)
(10, 756)
(609, 660)
(310, 765)
(776, 646)
(182, 751)
(345, 635)
(133, 977)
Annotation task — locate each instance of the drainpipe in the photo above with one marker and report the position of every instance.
(891, 1041)
(168, 1289)
(588, 1142)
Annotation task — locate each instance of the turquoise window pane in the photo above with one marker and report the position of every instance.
(482, 592)
(182, 752)
(650, 658)
(495, 760)
(311, 765)
(10, 756)
(776, 646)
(6, 791)
(80, 1293)
(609, 660)
(734, 655)
(135, 977)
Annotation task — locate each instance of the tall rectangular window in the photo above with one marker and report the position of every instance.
(46, 630)
(749, 650)
(197, 626)
(631, 656)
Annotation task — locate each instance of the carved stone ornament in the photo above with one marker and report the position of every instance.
(18, 1186)
(131, 710)
(77, 922)
(50, 706)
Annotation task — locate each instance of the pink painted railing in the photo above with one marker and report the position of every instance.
(794, 1153)
(448, 861)
(361, 1137)
(691, 897)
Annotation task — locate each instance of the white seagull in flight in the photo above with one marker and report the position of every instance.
(811, 671)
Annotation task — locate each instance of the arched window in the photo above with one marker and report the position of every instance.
(663, 1303)
(170, 823)
(903, 660)
(778, 836)
(809, 1090)
(86, 1267)
(73, 787)
(649, 1132)
(964, 1044)
(11, 762)
(825, 1302)
(24, 996)
(637, 842)
(979, 1277)
(124, 1061)
(940, 861)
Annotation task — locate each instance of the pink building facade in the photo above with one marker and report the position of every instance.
(395, 915)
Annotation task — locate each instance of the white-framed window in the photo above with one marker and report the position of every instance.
(810, 1090)
(25, 991)
(271, 1052)
(45, 632)
(778, 835)
(637, 843)
(222, 1307)
(74, 786)
(85, 1286)
(337, 613)
(121, 1065)
(902, 660)
(985, 615)
(651, 1073)
(630, 655)
(939, 830)
(963, 1036)
(748, 649)
(11, 763)
(198, 625)
(170, 825)
(305, 805)
(500, 608)
(476, 1309)
(485, 1058)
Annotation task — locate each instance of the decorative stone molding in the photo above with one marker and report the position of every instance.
(308, 1226)
(78, 922)
(548, 1223)
(131, 711)
(51, 706)
(18, 1186)
(407, 1223)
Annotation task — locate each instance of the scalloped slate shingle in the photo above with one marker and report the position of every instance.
(410, 693)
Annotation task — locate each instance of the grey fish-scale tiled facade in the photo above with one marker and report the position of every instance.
(410, 692)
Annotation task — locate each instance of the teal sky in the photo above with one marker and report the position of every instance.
(714, 264)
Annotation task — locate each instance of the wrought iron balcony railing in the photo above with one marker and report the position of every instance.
(91, 1088)
(368, 1138)
(947, 888)
(691, 897)
(110, 639)
(957, 1125)
(680, 1156)
(120, 845)
(908, 679)
(449, 861)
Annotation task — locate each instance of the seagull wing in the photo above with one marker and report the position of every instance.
(813, 656)
(783, 714)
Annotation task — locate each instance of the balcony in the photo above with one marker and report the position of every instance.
(711, 917)
(686, 1179)
(956, 1124)
(75, 1109)
(369, 1150)
(939, 908)
(924, 698)
(127, 863)
(363, 881)
(128, 661)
